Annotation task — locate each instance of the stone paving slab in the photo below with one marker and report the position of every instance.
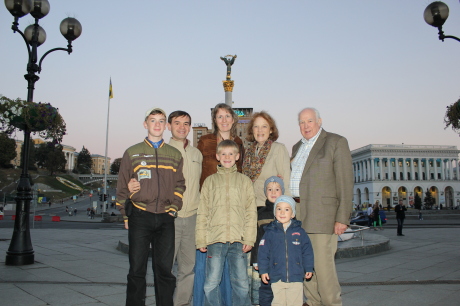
(71, 269)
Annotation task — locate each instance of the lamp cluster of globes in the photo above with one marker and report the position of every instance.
(70, 27)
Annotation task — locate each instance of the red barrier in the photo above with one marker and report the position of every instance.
(55, 218)
(1, 217)
(13, 217)
(37, 218)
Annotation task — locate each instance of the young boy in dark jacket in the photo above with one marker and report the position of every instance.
(286, 267)
(262, 294)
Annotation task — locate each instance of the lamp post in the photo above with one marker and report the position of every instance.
(435, 15)
(20, 251)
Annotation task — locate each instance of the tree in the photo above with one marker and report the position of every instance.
(84, 161)
(417, 202)
(429, 200)
(8, 151)
(115, 167)
(51, 157)
(32, 159)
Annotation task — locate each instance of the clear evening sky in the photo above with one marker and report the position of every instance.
(374, 69)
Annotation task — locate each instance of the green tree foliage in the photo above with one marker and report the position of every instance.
(84, 161)
(429, 200)
(417, 202)
(8, 150)
(51, 157)
(115, 167)
(32, 160)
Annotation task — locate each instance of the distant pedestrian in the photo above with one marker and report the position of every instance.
(369, 215)
(75, 211)
(400, 216)
(49, 204)
(92, 213)
(376, 217)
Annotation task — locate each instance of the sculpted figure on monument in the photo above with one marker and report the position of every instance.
(229, 60)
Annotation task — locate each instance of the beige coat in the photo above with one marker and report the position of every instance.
(192, 173)
(277, 163)
(227, 210)
(326, 186)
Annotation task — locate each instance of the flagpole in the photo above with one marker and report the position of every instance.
(106, 146)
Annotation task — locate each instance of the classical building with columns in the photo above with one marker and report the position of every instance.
(70, 157)
(389, 172)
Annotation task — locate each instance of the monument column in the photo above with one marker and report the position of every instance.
(228, 83)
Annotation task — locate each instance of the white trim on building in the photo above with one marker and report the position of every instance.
(387, 173)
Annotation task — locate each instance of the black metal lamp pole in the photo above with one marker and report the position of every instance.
(20, 251)
(435, 15)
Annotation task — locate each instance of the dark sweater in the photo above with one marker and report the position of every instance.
(264, 216)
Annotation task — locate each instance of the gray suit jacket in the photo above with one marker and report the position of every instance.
(326, 186)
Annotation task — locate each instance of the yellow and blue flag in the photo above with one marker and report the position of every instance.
(110, 90)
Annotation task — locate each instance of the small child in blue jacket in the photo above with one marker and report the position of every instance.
(285, 254)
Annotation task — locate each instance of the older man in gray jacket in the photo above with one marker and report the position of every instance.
(322, 184)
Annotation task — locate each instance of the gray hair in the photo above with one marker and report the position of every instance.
(317, 114)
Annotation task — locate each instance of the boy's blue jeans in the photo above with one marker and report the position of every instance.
(200, 276)
(237, 266)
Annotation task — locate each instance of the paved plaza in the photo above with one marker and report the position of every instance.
(83, 267)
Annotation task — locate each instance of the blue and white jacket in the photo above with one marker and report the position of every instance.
(285, 256)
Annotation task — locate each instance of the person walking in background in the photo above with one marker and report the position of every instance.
(376, 217)
(370, 220)
(322, 182)
(400, 216)
(265, 157)
(226, 226)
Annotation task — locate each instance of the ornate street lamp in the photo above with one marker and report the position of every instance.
(435, 15)
(20, 251)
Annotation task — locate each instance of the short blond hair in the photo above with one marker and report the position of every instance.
(227, 143)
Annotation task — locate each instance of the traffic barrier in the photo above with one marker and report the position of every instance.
(37, 218)
(1, 217)
(13, 217)
(55, 218)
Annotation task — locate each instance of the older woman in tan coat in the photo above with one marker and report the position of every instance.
(264, 156)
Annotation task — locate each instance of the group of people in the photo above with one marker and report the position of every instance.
(210, 207)
(373, 213)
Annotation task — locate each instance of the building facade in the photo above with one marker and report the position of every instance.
(70, 157)
(98, 166)
(387, 173)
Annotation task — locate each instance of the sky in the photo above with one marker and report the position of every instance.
(374, 69)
